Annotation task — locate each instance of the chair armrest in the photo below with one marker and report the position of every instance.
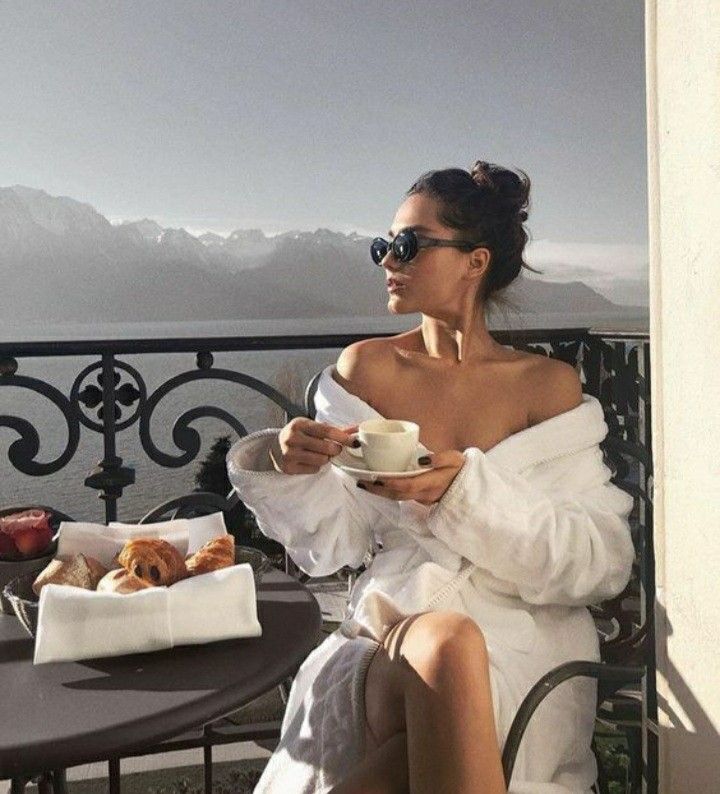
(611, 677)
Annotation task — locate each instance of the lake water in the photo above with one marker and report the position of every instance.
(288, 371)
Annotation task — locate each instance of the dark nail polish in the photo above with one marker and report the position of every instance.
(424, 460)
(356, 443)
(361, 485)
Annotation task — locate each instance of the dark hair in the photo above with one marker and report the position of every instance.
(487, 203)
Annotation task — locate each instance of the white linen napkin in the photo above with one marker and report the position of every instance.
(219, 605)
(74, 623)
(104, 542)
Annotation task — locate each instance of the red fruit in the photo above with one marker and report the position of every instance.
(32, 540)
(26, 518)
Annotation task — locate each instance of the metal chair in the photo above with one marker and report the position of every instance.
(626, 649)
(192, 505)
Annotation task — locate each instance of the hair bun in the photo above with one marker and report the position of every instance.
(510, 191)
(481, 174)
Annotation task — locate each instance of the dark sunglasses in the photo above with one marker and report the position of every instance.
(406, 244)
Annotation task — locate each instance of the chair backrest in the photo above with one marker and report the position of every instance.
(310, 390)
(192, 505)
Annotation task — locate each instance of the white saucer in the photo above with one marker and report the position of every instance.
(355, 466)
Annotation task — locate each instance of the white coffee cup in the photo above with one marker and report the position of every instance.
(387, 444)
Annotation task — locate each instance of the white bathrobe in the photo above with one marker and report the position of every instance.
(527, 535)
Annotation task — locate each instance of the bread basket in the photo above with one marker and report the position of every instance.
(24, 602)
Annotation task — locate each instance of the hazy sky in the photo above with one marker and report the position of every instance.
(280, 115)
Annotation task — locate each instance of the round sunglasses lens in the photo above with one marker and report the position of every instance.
(378, 250)
(404, 246)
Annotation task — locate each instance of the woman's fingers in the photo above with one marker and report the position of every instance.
(322, 437)
(324, 430)
(320, 446)
(451, 458)
(316, 437)
(403, 488)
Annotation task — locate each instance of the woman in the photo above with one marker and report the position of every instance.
(478, 570)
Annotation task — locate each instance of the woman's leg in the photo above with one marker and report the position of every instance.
(382, 771)
(430, 679)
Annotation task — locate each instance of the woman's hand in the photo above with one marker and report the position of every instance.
(304, 446)
(426, 488)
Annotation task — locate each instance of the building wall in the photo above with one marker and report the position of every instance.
(683, 92)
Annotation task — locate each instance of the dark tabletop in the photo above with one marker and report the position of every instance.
(62, 714)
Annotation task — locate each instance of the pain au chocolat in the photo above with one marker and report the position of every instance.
(155, 561)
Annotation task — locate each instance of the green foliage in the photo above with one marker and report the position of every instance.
(212, 472)
(615, 759)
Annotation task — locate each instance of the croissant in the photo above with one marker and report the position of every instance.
(216, 553)
(121, 581)
(153, 560)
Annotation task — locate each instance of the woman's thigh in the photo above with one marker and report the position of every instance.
(410, 652)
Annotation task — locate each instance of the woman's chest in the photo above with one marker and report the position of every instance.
(453, 413)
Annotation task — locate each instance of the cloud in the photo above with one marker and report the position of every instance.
(624, 260)
(619, 271)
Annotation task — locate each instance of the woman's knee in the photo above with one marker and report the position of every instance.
(442, 642)
(426, 648)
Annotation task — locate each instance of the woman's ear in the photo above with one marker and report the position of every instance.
(479, 261)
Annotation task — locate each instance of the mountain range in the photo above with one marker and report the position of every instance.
(61, 260)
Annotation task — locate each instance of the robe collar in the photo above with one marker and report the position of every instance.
(571, 431)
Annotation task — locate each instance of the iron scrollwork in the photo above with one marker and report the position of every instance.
(187, 438)
(23, 450)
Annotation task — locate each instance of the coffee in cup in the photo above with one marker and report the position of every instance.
(387, 444)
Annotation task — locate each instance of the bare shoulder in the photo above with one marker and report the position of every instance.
(362, 366)
(555, 387)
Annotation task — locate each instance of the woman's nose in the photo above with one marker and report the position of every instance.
(389, 261)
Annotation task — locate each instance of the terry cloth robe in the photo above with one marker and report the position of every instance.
(527, 535)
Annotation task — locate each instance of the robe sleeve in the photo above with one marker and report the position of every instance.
(565, 544)
(318, 518)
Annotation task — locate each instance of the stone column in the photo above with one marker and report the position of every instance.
(683, 104)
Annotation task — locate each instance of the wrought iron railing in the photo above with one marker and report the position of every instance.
(109, 395)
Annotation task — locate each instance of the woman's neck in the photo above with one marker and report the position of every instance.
(458, 343)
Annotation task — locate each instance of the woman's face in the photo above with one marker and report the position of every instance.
(432, 282)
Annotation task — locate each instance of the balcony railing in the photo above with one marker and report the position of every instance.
(108, 396)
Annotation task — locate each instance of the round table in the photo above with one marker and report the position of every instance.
(63, 714)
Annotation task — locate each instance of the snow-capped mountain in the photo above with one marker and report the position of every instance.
(59, 214)
(147, 229)
(60, 260)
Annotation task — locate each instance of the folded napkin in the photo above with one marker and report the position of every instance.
(74, 623)
(104, 542)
